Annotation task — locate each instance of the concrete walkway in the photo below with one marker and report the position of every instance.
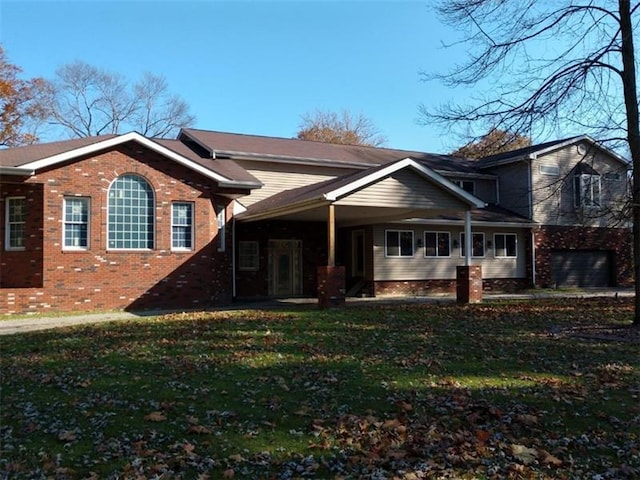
(30, 324)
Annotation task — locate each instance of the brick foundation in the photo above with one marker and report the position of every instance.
(419, 288)
(468, 283)
(331, 286)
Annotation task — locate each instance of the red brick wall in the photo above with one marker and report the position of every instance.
(616, 240)
(431, 287)
(102, 279)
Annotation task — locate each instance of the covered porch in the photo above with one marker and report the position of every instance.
(325, 231)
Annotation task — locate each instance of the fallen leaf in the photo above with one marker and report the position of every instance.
(228, 473)
(524, 454)
(155, 417)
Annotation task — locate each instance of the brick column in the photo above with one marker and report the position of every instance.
(468, 283)
(331, 286)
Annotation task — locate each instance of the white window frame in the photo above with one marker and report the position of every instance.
(399, 233)
(473, 235)
(222, 228)
(460, 183)
(437, 234)
(551, 170)
(153, 219)
(495, 245)
(9, 225)
(252, 259)
(580, 187)
(67, 222)
(189, 226)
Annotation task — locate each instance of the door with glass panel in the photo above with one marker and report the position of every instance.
(285, 268)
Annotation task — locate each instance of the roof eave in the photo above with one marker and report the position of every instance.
(284, 210)
(17, 171)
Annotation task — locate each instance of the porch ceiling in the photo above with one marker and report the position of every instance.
(349, 215)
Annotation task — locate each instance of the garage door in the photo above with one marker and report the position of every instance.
(581, 268)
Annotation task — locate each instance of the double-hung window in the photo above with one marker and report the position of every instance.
(182, 226)
(15, 220)
(586, 190)
(76, 223)
(399, 243)
(130, 214)
(477, 245)
(505, 245)
(437, 244)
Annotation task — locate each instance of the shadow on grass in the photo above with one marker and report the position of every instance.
(439, 389)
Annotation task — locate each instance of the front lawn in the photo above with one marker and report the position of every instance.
(498, 390)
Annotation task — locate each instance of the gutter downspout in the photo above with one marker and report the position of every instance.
(533, 257)
(233, 257)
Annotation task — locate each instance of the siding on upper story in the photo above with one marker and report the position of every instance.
(278, 177)
(404, 189)
(513, 187)
(554, 195)
(419, 267)
(484, 188)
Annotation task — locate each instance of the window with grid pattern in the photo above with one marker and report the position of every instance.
(182, 226)
(15, 220)
(131, 214)
(248, 255)
(76, 223)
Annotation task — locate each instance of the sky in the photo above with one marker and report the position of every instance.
(254, 67)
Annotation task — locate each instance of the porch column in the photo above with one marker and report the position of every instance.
(331, 278)
(331, 236)
(468, 277)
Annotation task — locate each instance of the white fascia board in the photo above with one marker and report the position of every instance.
(17, 171)
(136, 137)
(399, 165)
(581, 138)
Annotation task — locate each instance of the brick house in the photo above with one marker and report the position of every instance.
(128, 222)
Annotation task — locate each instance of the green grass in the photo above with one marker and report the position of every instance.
(419, 391)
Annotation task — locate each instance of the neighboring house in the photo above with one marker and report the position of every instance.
(134, 223)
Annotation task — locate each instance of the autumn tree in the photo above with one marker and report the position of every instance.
(494, 142)
(86, 100)
(342, 128)
(21, 110)
(550, 66)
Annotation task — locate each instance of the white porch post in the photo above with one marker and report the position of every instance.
(331, 236)
(468, 241)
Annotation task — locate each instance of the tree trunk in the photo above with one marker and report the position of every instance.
(633, 136)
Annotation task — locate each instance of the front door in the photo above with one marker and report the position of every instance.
(357, 253)
(285, 268)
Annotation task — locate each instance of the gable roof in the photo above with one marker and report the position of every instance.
(322, 193)
(35, 157)
(293, 150)
(534, 151)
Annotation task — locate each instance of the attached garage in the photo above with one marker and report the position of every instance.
(582, 268)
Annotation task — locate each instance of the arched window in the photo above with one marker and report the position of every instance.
(131, 214)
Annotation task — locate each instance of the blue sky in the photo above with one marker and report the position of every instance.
(253, 67)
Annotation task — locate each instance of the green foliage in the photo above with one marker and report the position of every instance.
(422, 391)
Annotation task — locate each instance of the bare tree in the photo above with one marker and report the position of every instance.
(85, 101)
(556, 64)
(342, 128)
(494, 142)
